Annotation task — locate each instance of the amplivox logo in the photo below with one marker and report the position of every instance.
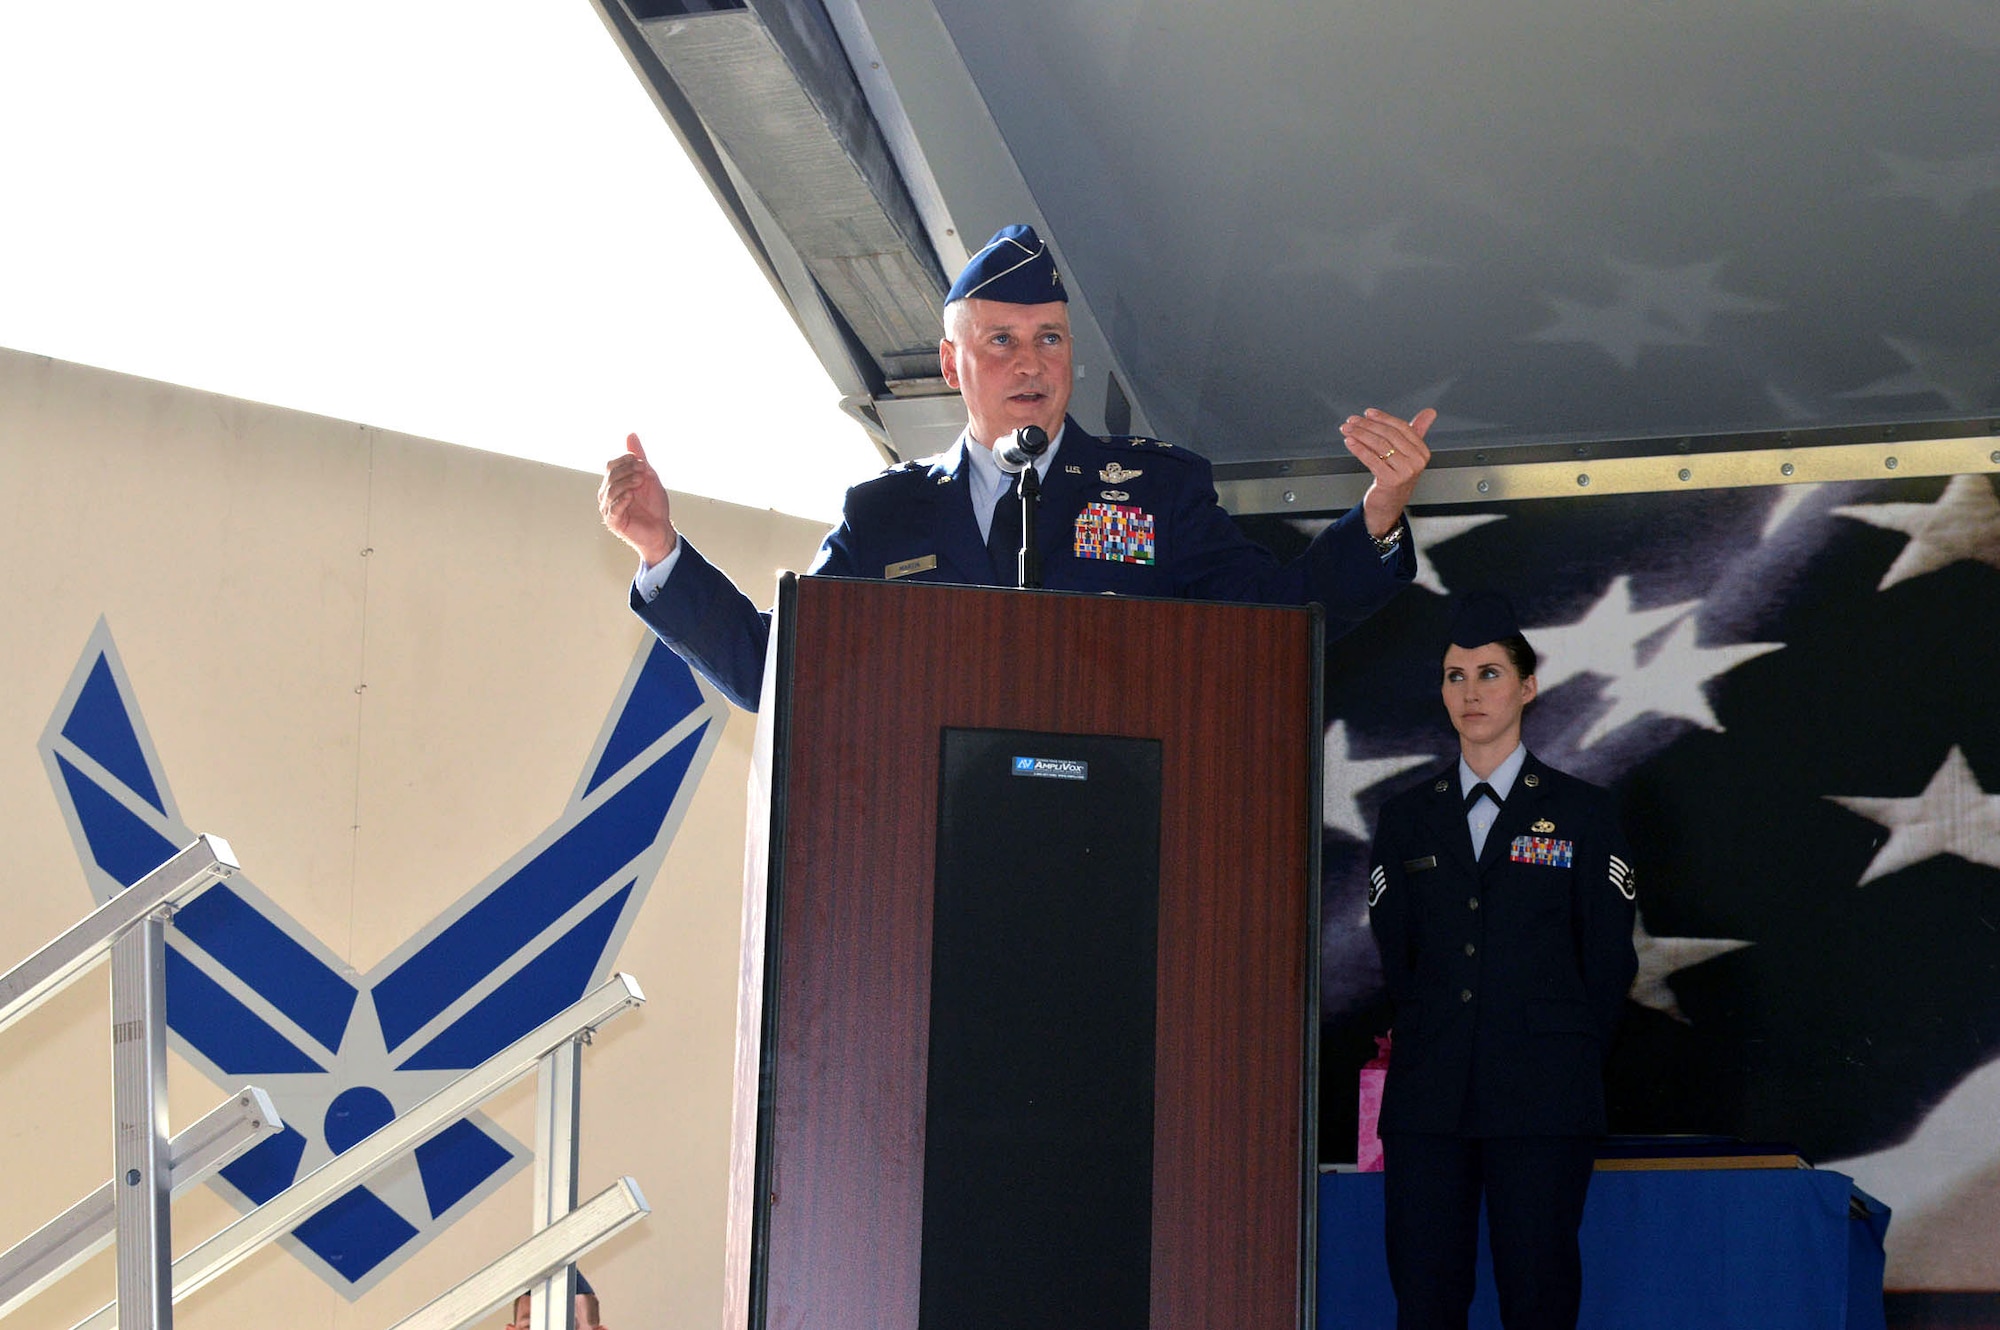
(253, 996)
(1058, 768)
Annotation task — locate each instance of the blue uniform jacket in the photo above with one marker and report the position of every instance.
(1508, 974)
(922, 511)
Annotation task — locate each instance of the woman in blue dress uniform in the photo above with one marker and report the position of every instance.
(1502, 898)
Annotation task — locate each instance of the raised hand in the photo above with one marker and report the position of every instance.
(633, 504)
(1395, 453)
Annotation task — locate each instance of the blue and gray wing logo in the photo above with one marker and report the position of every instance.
(253, 995)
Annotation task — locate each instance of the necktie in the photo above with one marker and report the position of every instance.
(1478, 792)
(1003, 538)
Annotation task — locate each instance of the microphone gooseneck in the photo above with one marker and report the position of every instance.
(1014, 452)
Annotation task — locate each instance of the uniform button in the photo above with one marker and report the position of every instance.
(1465, 995)
(1469, 949)
(1474, 902)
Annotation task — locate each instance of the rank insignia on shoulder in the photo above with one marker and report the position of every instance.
(1542, 826)
(1531, 780)
(921, 564)
(1442, 786)
(1542, 850)
(1623, 878)
(1114, 474)
(1419, 865)
(1115, 532)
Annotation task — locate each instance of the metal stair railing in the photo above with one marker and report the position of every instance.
(540, 1258)
(86, 1228)
(131, 929)
(134, 1206)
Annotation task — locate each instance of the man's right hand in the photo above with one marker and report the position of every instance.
(633, 503)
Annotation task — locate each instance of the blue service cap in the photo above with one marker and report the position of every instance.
(1015, 268)
(1482, 617)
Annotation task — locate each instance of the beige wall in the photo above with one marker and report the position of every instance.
(376, 665)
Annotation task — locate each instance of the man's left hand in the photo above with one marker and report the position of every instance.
(1395, 453)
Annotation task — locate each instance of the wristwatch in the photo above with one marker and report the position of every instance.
(1384, 544)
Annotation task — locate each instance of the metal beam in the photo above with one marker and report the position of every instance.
(1644, 466)
(285, 1211)
(139, 1171)
(49, 970)
(771, 83)
(86, 1228)
(609, 1212)
(558, 1108)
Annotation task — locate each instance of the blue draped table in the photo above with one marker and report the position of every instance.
(1723, 1249)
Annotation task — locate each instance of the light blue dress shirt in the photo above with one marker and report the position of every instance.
(1479, 819)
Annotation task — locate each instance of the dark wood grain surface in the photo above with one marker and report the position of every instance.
(884, 668)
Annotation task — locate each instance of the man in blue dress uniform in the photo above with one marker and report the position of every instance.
(1130, 515)
(1502, 897)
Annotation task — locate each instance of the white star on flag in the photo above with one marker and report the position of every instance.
(1686, 297)
(1964, 523)
(1655, 307)
(1954, 815)
(1620, 330)
(1364, 261)
(1662, 957)
(1949, 184)
(1674, 682)
(1965, 376)
(1347, 776)
(1432, 531)
(1432, 395)
(1605, 641)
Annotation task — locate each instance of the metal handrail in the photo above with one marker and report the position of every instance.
(277, 1216)
(40, 977)
(542, 1257)
(86, 1228)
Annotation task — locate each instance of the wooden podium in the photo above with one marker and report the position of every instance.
(1026, 1032)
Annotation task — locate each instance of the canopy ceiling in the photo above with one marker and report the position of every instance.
(1560, 222)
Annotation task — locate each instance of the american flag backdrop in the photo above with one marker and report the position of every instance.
(1795, 692)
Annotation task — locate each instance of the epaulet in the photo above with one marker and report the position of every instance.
(913, 466)
(1138, 441)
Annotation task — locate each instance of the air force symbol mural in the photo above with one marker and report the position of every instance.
(253, 996)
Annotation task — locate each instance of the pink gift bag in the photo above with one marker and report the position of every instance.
(1368, 1145)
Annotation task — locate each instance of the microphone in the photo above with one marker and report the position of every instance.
(1015, 452)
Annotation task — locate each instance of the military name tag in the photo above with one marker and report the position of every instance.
(1543, 850)
(921, 564)
(1419, 865)
(1117, 532)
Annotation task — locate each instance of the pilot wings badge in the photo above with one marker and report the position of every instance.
(253, 994)
(1114, 474)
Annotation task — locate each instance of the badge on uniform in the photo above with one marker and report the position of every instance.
(1420, 865)
(921, 564)
(1543, 850)
(1543, 827)
(1120, 533)
(1114, 474)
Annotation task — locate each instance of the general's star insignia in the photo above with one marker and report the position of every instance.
(1542, 826)
(1115, 474)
